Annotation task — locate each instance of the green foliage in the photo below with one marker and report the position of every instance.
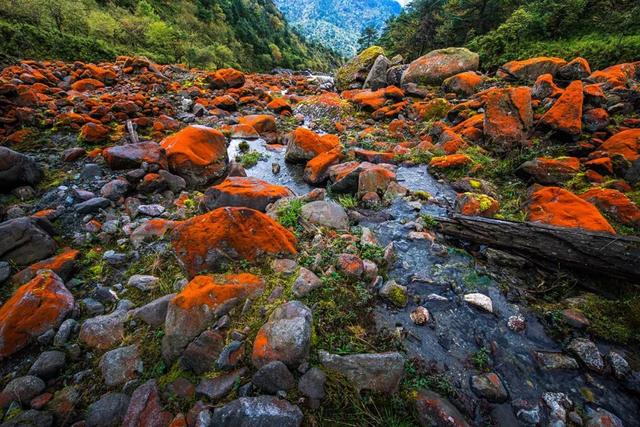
(603, 32)
(289, 214)
(249, 159)
(348, 201)
(429, 221)
(247, 34)
(481, 359)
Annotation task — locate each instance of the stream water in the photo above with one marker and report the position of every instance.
(437, 277)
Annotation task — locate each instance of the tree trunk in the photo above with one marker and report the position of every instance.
(602, 253)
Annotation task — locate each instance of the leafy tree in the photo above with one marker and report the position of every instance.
(367, 37)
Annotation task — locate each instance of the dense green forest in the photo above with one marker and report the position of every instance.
(248, 34)
(603, 31)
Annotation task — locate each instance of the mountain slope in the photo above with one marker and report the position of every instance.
(337, 24)
(248, 34)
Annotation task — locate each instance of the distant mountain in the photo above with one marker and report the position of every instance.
(337, 24)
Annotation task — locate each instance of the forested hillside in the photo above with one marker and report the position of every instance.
(249, 34)
(337, 24)
(603, 31)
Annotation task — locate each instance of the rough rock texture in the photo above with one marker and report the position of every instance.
(17, 169)
(26, 240)
(357, 69)
(246, 192)
(257, 411)
(380, 372)
(508, 118)
(436, 66)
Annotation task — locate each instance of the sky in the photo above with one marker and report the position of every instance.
(403, 3)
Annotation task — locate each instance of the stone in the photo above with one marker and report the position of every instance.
(209, 241)
(65, 330)
(108, 411)
(257, 411)
(273, 377)
(436, 66)
(530, 69)
(92, 205)
(153, 210)
(143, 282)
(420, 316)
(433, 410)
(325, 214)
(26, 240)
(21, 390)
(225, 78)
(115, 189)
(201, 354)
(203, 300)
(198, 154)
(30, 418)
(357, 69)
(216, 388)
(230, 356)
(490, 387)
(304, 144)
(508, 118)
(286, 336)
(120, 365)
(311, 385)
(378, 372)
(48, 364)
(305, 283)
(548, 171)
(394, 293)
(565, 116)
(246, 192)
(619, 365)
(587, 352)
(377, 77)
(33, 309)
(102, 332)
(480, 301)
(145, 408)
(153, 313)
(17, 169)
(131, 156)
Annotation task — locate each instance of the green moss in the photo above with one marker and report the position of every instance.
(614, 319)
(398, 296)
(348, 201)
(346, 74)
(249, 159)
(289, 213)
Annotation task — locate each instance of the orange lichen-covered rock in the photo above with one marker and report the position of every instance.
(466, 83)
(475, 204)
(625, 143)
(200, 302)
(149, 230)
(545, 87)
(279, 106)
(565, 115)
(34, 308)
(62, 264)
(225, 102)
(370, 100)
(244, 132)
(562, 208)
(602, 165)
(94, 133)
(450, 161)
(530, 69)
(437, 65)
(246, 192)
(87, 84)
(614, 203)
(508, 117)
(262, 123)
(617, 75)
(209, 241)
(373, 156)
(304, 144)
(317, 169)
(374, 179)
(548, 171)
(197, 153)
(226, 78)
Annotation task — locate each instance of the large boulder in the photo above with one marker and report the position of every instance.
(438, 65)
(257, 411)
(326, 214)
(204, 299)
(198, 154)
(625, 143)
(226, 78)
(36, 307)
(304, 144)
(246, 192)
(357, 69)
(130, 156)
(378, 372)
(614, 203)
(508, 118)
(465, 84)
(26, 240)
(209, 241)
(548, 171)
(286, 336)
(17, 169)
(530, 69)
(377, 77)
(316, 170)
(102, 332)
(562, 208)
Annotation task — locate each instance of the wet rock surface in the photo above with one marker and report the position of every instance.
(169, 254)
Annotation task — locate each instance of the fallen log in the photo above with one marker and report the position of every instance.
(603, 253)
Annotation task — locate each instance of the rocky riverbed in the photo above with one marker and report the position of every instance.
(182, 247)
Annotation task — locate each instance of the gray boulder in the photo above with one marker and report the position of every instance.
(17, 169)
(380, 372)
(26, 240)
(261, 411)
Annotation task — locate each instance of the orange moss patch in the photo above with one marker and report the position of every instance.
(279, 105)
(602, 165)
(451, 161)
(35, 307)
(244, 192)
(474, 204)
(209, 241)
(374, 156)
(370, 100)
(530, 69)
(614, 203)
(508, 116)
(304, 144)
(625, 143)
(218, 290)
(616, 75)
(61, 264)
(559, 207)
(566, 114)
(463, 84)
(226, 78)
